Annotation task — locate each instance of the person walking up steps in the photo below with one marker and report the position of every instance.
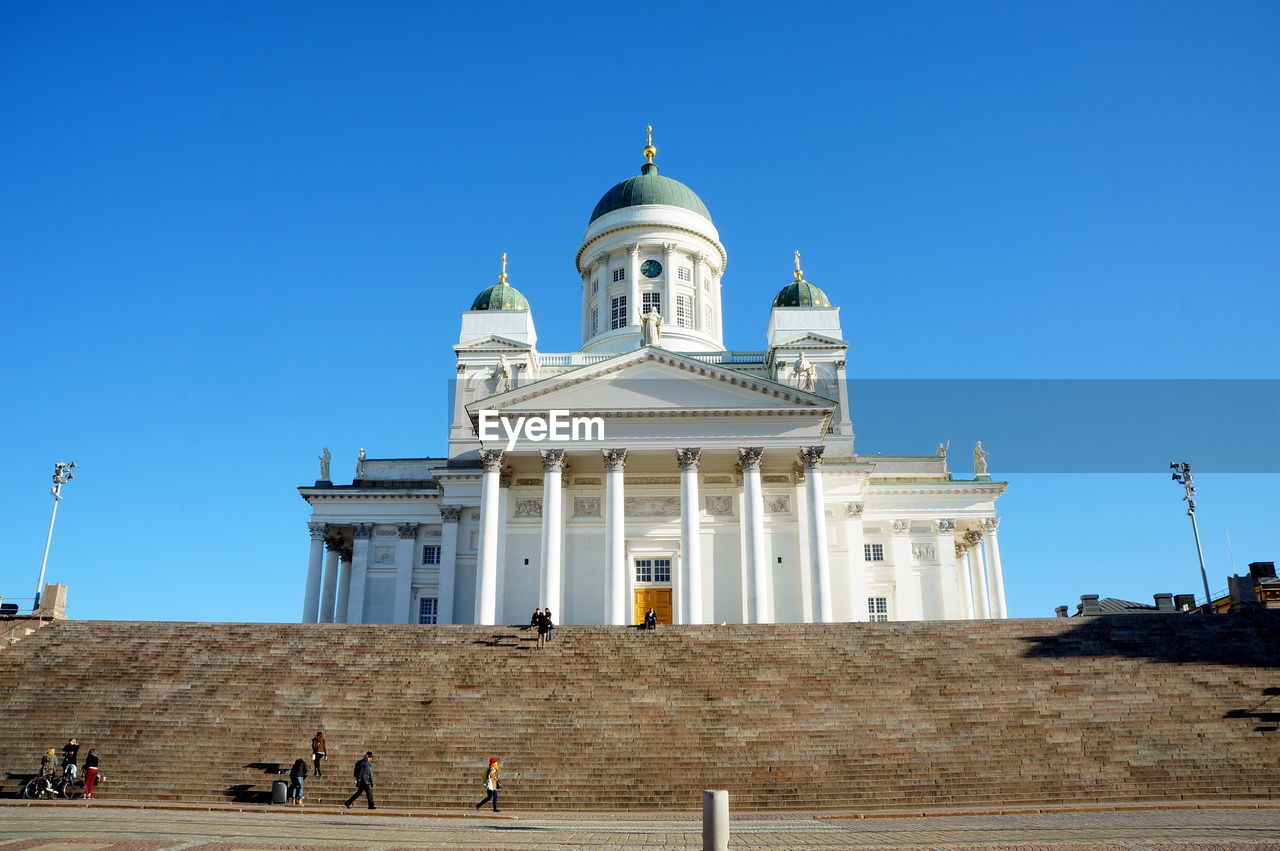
(491, 785)
(364, 780)
(317, 751)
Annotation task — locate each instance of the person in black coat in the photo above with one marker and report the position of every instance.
(364, 780)
(297, 776)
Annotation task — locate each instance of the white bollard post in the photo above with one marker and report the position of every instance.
(715, 820)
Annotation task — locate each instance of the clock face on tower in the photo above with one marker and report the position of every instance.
(651, 268)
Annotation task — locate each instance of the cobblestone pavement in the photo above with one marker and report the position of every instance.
(52, 828)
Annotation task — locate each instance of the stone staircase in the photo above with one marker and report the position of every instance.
(784, 716)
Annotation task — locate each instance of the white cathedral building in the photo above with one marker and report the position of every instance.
(713, 486)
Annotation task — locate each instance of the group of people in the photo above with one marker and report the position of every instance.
(363, 770)
(68, 770)
(543, 623)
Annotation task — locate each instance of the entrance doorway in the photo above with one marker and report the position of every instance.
(659, 599)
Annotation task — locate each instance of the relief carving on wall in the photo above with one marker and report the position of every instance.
(586, 506)
(651, 506)
(924, 552)
(719, 506)
(777, 505)
(528, 508)
(384, 555)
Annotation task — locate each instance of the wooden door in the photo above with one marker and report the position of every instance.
(659, 599)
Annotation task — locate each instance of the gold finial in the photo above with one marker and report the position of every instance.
(799, 271)
(649, 150)
(502, 278)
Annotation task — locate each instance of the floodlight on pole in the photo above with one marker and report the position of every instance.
(61, 475)
(1182, 475)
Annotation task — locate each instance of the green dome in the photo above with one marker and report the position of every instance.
(649, 188)
(801, 293)
(500, 296)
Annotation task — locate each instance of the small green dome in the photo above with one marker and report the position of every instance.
(801, 293)
(500, 296)
(649, 188)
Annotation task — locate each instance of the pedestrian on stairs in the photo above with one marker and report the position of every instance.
(297, 776)
(364, 780)
(317, 750)
(491, 785)
(551, 624)
(91, 775)
(536, 619)
(544, 626)
(651, 619)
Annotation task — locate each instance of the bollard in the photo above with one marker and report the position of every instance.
(715, 820)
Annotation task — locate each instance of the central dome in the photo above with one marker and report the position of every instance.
(649, 188)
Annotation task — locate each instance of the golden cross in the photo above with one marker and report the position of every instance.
(503, 276)
(799, 271)
(648, 135)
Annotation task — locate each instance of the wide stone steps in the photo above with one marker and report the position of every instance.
(829, 716)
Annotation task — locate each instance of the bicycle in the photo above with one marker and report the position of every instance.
(42, 787)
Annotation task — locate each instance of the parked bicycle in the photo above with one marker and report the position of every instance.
(67, 786)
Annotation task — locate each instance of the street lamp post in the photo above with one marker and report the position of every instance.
(1182, 475)
(61, 475)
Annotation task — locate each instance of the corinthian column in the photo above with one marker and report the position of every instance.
(359, 568)
(315, 564)
(953, 605)
(905, 599)
(753, 496)
(449, 516)
(633, 282)
(330, 592)
(982, 606)
(487, 575)
(690, 533)
(819, 560)
(408, 533)
(857, 561)
(995, 579)
(552, 529)
(615, 536)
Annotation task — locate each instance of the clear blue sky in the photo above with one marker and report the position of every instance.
(236, 232)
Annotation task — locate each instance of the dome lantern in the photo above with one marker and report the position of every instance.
(501, 296)
(801, 293)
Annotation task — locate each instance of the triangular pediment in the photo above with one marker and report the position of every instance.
(653, 380)
(492, 344)
(809, 340)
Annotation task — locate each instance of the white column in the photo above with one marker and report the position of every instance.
(344, 588)
(973, 539)
(906, 601)
(359, 567)
(966, 575)
(315, 566)
(995, 578)
(842, 391)
(602, 293)
(615, 536)
(487, 558)
(668, 283)
(819, 558)
(449, 516)
(633, 283)
(699, 300)
(948, 576)
(408, 533)
(330, 593)
(857, 561)
(718, 292)
(552, 530)
(691, 533)
(758, 593)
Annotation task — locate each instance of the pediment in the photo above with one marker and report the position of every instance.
(653, 381)
(493, 344)
(810, 340)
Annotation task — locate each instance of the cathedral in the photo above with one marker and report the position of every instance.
(652, 468)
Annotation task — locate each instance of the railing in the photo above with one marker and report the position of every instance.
(585, 359)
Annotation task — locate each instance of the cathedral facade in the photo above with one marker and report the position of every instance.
(653, 468)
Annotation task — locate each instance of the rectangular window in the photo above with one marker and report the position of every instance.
(618, 312)
(650, 302)
(427, 610)
(431, 554)
(878, 609)
(707, 326)
(683, 274)
(595, 286)
(873, 552)
(620, 274)
(653, 570)
(706, 283)
(595, 322)
(684, 311)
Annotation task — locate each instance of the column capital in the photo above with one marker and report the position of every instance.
(991, 524)
(363, 530)
(961, 549)
(972, 538)
(840, 365)
(853, 509)
(799, 471)
(812, 456)
(669, 247)
(450, 513)
(633, 248)
(901, 527)
(407, 530)
(689, 458)
(602, 258)
(552, 460)
(614, 459)
(491, 459)
(505, 476)
(698, 257)
(317, 530)
(946, 525)
(334, 545)
(750, 457)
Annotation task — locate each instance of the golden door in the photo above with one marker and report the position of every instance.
(659, 599)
